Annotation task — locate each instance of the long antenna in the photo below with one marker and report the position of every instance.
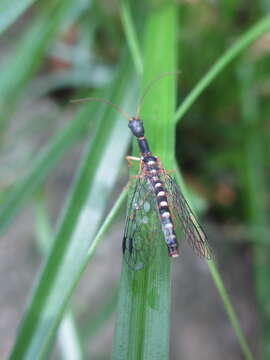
(138, 109)
(152, 82)
(122, 112)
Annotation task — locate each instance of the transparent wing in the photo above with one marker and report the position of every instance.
(192, 230)
(142, 227)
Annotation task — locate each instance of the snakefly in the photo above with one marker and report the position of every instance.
(156, 206)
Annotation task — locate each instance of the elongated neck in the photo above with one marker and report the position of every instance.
(143, 145)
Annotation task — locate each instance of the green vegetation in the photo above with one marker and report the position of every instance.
(79, 48)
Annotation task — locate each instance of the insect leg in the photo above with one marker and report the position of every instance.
(132, 158)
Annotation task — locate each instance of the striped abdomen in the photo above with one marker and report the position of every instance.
(152, 169)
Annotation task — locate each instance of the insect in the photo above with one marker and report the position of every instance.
(156, 205)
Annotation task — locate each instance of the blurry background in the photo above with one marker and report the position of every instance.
(53, 52)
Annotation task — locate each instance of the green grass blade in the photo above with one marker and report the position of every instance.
(68, 339)
(23, 63)
(230, 311)
(131, 35)
(76, 230)
(245, 40)
(142, 325)
(42, 165)
(100, 317)
(68, 336)
(253, 180)
(10, 10)
(109, 219)
(221, 288)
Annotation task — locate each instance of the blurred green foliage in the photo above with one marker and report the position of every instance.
(59, 50)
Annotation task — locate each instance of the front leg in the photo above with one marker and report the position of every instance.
(132, 158)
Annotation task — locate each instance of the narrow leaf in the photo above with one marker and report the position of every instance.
(142, 325)
(10, 10)
(82, 215)
(243, 42)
